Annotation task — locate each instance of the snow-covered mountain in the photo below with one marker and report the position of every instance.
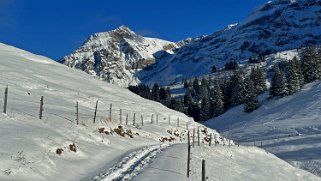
(276, 26)
(116, 55)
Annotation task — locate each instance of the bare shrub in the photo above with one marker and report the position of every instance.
(72, 147)
(59, 151)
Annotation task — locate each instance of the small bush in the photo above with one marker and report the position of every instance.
(164, 139)
(101, 130)
(120, 131)
(59, 151)
(72, 147)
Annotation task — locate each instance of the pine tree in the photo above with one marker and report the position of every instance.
(155, 92)
(176, 105)
(278, 84)
(203, 93)
(237, 89)
(205, 112)
(261, 58)
(194, 111)
(227, 88)
(168, 93)
(251, 101)
(186, 85)
(297, 64)
(196, 86)
(258, 80)
(188, 100)
(310, 64)
(294, 76)
(213, 69)
(162, 93)
(217, 104)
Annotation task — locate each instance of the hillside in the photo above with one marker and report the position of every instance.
(288, 127)
(277, 26)
(96, 151)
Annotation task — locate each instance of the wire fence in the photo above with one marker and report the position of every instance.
(29, 105)
(26, 104)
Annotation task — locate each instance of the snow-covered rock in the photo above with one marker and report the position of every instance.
(116, 55)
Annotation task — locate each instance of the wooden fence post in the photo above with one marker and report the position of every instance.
(157, 119)
(41, 107)
(152, 119)
(110, 109)
(5, 103)
(134, 120)
(127, 119)
(188, 154)
(203, 171)
(215, 139)
(120, 116)
(178, 122)
(77, 113)
(95, 111)
(210, 142)
(198, 136)
(193, 137)
(142, 118)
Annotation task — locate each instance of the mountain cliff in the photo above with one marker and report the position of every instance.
(116, 55)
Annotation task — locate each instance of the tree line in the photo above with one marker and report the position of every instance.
(205, 99)
(289, 78)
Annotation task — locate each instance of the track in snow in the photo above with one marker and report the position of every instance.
(131, 165)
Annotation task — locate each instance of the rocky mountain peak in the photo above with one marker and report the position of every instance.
(116, 55)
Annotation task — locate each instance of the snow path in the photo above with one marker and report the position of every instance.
(131, 165)
(223, 163)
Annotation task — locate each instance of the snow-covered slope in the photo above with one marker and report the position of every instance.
(276, 26)
(116, 55)
(289, 127)
(29, 145)
(222, 163)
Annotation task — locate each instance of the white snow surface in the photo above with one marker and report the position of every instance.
(289, 127)
(28, 144)
(228, 163)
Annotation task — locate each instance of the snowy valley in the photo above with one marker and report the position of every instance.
(247, 98)
(29, 146)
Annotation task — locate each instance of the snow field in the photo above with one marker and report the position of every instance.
(288, 127)
(28, 145)
(104, 150)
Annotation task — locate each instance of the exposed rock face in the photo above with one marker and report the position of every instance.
(115, 56)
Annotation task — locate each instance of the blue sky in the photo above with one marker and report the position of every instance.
(55, 28)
